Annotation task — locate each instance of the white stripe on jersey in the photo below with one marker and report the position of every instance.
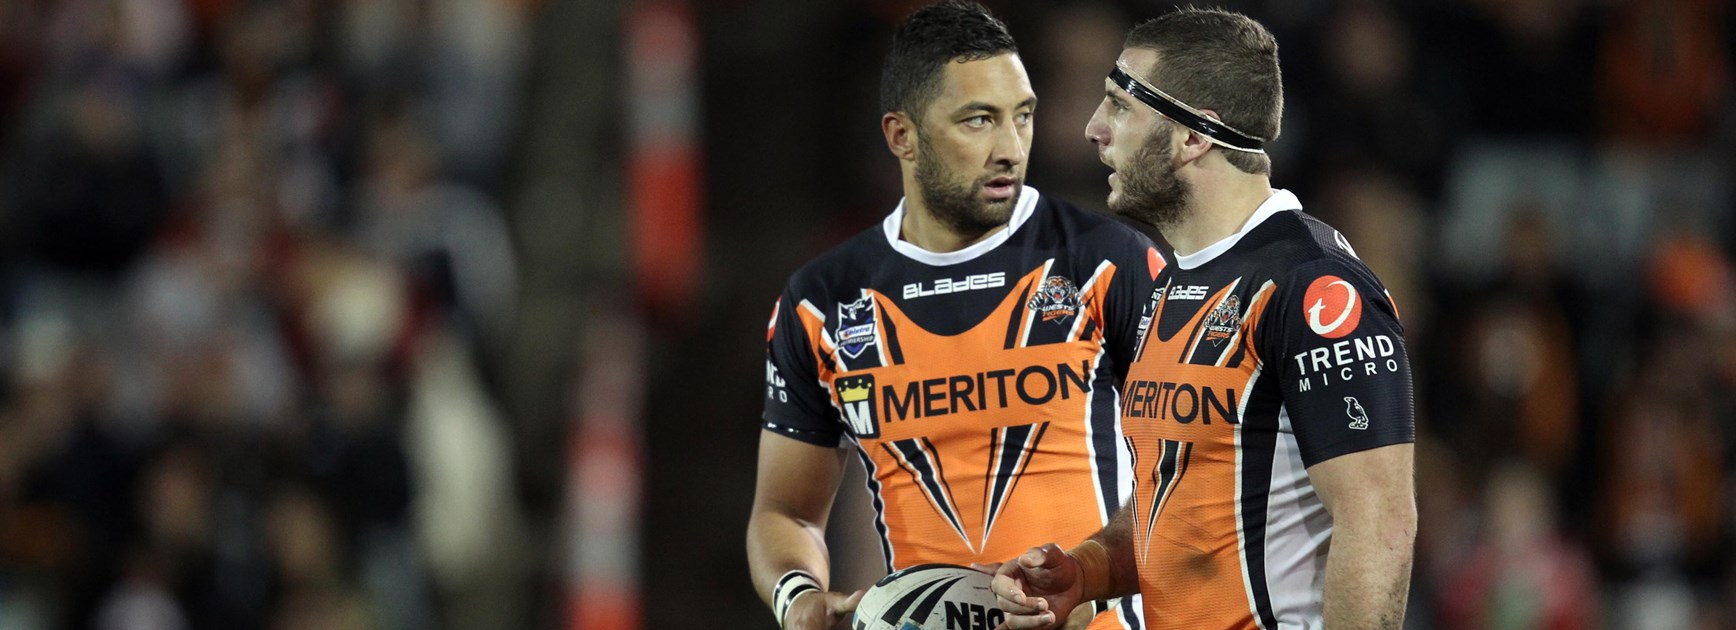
(1297, 530)
(1031, 313)
(1079, 319)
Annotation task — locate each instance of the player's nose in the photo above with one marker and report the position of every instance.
(1097, 129)
(1010, 146)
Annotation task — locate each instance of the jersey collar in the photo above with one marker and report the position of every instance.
(1279, 201)
(1021, 211)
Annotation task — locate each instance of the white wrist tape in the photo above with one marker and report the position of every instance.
(789, 586)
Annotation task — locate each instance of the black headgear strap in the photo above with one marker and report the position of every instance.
(1219, 133)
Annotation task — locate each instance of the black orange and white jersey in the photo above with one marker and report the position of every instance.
(979, 387)
(1268, 352)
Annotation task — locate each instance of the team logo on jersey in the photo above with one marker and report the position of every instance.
(1147, 312)
(856, 403)
(1224, 320)
(1056, 299)
(856, 326)
(1334, 309)
(1358, 417)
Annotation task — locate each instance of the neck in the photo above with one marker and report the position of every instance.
(1221, 206)
(921, 228)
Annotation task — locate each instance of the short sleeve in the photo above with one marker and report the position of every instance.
(1341, 360)
(797, 404)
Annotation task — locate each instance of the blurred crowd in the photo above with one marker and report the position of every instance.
(249, 254)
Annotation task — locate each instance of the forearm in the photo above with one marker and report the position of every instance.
(778, 544)
(1368, 575)
(1114, 573)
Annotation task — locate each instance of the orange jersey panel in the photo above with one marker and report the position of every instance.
(979, 454)
(1181, 424)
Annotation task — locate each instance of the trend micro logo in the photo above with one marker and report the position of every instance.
(1334, 309)
(856, 403)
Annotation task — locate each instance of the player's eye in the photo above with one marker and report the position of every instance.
(978, 122)
(1024, 118)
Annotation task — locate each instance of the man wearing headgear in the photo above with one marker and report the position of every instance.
(1268, 408)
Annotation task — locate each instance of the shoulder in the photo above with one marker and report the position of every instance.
(846, 264)
(1295, 244)
(1314, 263)
(1326, 251)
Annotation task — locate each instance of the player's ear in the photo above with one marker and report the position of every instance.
(1194, 144)
(900, 132)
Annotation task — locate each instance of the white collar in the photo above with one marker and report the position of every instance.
(1279, 201)
(894, 222)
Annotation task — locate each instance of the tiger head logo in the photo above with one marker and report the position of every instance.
(1056, 299)
(1224, 320)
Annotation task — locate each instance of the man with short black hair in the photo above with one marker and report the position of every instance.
(1268, 408)
(967, 349)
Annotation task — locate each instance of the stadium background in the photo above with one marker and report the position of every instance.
(447, 313)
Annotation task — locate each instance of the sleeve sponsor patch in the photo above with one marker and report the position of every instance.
(1333, 306)
(1345, 374)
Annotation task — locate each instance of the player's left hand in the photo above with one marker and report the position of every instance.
(1078, 620)
(1033, 587)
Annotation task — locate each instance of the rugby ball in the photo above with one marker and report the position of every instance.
(929, 597)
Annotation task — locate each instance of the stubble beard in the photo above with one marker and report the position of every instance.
(961, 207)
(1151, 192)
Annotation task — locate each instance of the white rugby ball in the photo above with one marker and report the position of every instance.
(929, 597)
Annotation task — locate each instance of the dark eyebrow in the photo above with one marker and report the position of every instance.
(979, 106)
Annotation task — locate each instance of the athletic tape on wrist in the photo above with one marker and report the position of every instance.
(1093, 560)
(789, 586)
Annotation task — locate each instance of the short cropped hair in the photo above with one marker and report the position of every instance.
(938, 34)
(1222, 61)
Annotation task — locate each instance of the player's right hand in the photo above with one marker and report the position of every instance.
(1031, 587)
(817, 610)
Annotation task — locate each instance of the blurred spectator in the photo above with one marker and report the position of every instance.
(450, 236)
(1654, 47)
(1371, 113)
(1523, 573)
